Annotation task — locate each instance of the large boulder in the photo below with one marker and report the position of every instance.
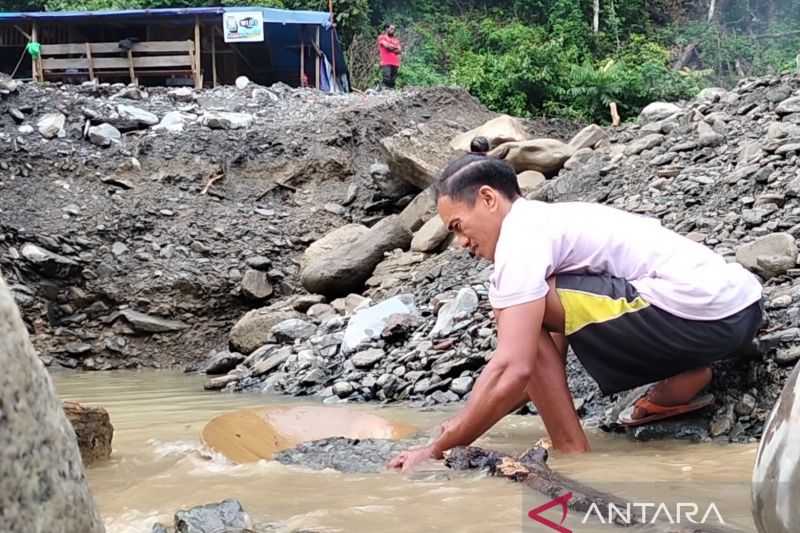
(253, 330)
(589, 137)
(344, 270)
(658, 111)
(431, 236)
(93, 428)
(421, 209)
(418, 154)
(542, 155)
(776, 475)
(497, 131)
(332, 241)
(42, 483)
(530, 181)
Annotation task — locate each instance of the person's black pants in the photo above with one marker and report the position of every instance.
(389, 75)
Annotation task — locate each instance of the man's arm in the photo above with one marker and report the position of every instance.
(504, 380)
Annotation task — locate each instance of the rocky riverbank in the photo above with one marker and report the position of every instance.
(299, 222)
(721, 169)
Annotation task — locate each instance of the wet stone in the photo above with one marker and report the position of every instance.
(345, 455)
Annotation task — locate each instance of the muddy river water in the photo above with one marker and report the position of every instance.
(158, 466)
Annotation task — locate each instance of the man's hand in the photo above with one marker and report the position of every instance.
(410, 459)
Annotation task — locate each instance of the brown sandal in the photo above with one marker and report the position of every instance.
(660, 412)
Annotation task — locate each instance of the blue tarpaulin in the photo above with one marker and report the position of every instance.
(283, 29)
(271, 15)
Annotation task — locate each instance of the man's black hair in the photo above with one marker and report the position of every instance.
(479, 145)
(463, 177)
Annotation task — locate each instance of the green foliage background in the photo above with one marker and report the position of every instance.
(535, 57)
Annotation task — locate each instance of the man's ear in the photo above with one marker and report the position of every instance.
(488, 196)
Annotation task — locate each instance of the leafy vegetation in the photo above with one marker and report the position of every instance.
(533, 57)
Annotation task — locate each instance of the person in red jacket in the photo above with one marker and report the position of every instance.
(390, 50)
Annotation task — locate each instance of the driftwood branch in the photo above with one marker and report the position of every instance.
(211, 182)
(531, 470)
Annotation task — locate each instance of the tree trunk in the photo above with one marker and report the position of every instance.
(711, 9)
(596, 23)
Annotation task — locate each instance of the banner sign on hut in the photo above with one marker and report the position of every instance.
(243, 27)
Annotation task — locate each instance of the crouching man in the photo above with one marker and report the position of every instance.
(637, 303)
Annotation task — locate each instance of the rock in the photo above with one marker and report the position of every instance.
(497, 131)
(25, 130)
(707, 136)
(658, 111)
(462, 385)
(788, 356)
(712, 94)
(266, 365)
(693, 429)
(220, 120)
(17, 115)
(52, 125)
(253, 330)
(8, 84)
(645, 143)
(220, 382)
(421, 209)
(542, 155)
(722, 423)
(321, 311)
(588, 137)
(293, 329)
(431, 236)
(104, 135)
(331, 242)
(342, 389)
(530, 181)
(142, 118)
(42, 481)
(462, 307)
(151, 324)
(777, 472)
(745, 405)
(242, 82)
(345, 269)
(369, 323)
(259, 262)
(93, 428)
(183, 94)
(223, 362)
(255, 285)
(418, 154)
(345, 455)
(367, 358)
(119, 249)
(225, 516)
(48, 263)
(770, 255)
(789, 106)
(391, 187)
(173, 122)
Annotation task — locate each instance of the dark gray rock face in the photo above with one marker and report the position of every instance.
(42, 483)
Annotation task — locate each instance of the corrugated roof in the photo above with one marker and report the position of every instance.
(271, 15)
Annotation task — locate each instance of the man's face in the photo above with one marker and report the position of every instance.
(476, 227)
(391, 30)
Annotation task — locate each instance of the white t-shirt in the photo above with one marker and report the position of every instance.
(676, 274)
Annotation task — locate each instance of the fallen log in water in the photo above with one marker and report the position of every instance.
(531, 470)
